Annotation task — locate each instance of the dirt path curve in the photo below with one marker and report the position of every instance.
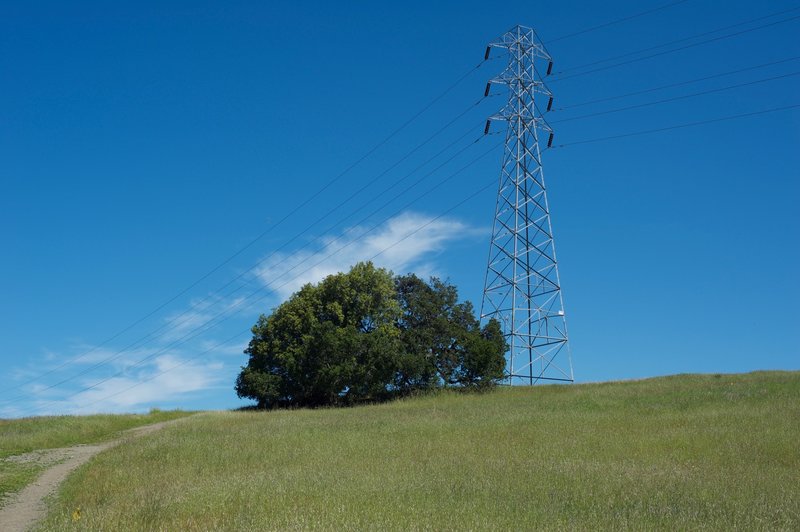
(27, 507)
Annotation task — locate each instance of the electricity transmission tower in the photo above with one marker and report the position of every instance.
(522, 288)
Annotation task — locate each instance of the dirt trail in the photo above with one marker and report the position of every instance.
(25, 508)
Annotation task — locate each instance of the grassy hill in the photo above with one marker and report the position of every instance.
(689, 451)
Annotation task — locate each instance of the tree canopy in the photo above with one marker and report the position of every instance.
(364, 336)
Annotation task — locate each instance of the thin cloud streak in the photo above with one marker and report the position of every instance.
(199, 314)
(166, 378)
(126, 384)
(408, 242)
(405, 241)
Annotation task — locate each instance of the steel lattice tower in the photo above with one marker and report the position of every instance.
(522, 288)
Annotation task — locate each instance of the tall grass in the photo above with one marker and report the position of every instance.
(23, 435)
(681, 452)
(18, 436)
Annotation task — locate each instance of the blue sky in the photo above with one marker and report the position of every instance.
(141, 145)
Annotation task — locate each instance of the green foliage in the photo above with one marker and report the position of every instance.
(481, 366)
(364, 336)
(442, 340)
(332, 343)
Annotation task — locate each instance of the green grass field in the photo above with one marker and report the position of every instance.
(689, 451)
(18, 436)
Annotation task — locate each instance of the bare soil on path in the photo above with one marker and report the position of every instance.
(22, 510)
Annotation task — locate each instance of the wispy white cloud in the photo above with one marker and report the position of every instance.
(37, 375)
(112, 381)
(152, 384)
(160, 372)
(407, 241)
(201, 313)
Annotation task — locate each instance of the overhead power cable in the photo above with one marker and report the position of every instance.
(673, 85)
(200, 330)
(676, 98)
(390, 187)
(174, 323)
(350, 168)
(613, 22)
(677, 41)
(267, 231)
(679, 126)
(611, 137)
(221, 317)
(279, 222)
(319, 192)
(665, 52)
(196, 332)
(206, 326)
(411, 186)
(478, 192)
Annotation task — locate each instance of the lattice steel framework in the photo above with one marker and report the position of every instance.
(522, 289)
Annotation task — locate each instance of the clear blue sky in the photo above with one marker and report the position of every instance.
(141, 145)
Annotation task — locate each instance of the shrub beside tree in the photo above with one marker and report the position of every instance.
(366, 336)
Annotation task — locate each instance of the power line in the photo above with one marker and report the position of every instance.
(391, 186)
(658, 54)
(247, 331)
(270, 228)
(677, 84)
(625, 135)
(613, 22)
(363, 158)
(676, 98)
(679, 126)
(163, 372)
(676, 41)
(193, 333)
(408, 188)
(260, 236)
(205, 327)
(312, 197)
(173, 322)
(190, 335)
(200, 330)
(220, 317)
